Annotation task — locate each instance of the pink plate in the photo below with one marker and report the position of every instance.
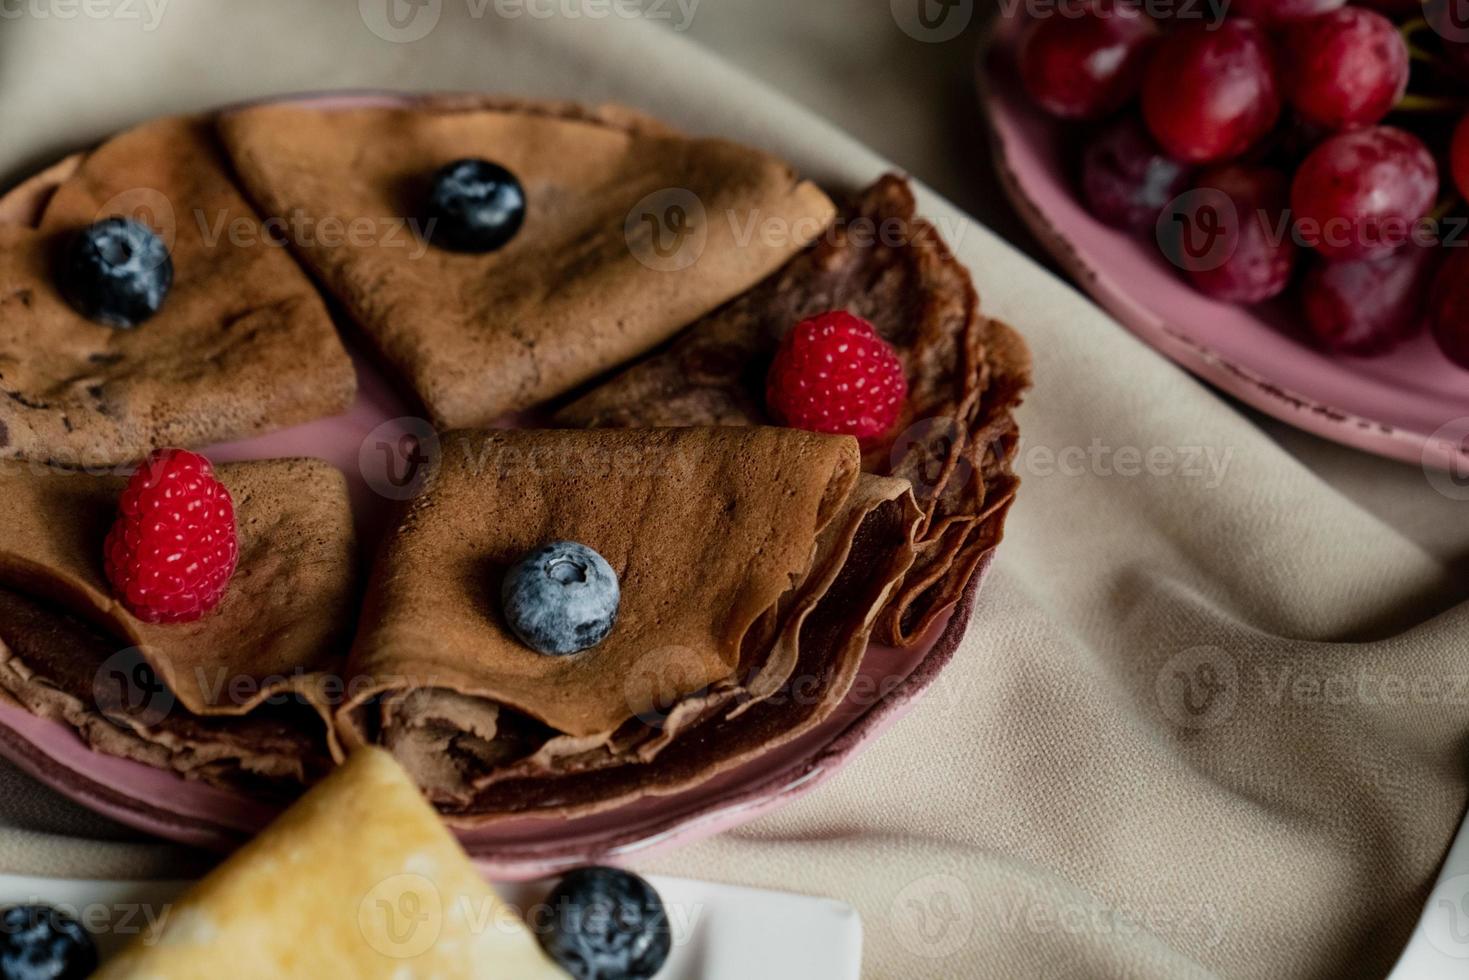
(193, 813)
(1412, 404)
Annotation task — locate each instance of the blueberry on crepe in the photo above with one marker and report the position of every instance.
(474, 206)
(561, 598)
(548, 270)
(119, 337)
(749, 563)
(117, 272)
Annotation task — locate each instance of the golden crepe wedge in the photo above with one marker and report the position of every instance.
(742, 553)
(242, 345)
(222, 698)
(631, 233)
(358, 879)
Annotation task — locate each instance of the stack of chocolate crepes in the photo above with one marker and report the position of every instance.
(756, 563)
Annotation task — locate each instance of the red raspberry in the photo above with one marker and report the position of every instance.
(833, 373)
(173, 548)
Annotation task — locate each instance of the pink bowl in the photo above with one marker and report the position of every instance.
(192, 813)
(1412, 404)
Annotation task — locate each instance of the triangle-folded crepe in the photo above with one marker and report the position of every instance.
(589, 282)
(956, 439)
(358, 879)
(752, 562)
(242, 345)
(234, 698)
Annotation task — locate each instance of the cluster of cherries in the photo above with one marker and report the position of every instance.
(1279, 146)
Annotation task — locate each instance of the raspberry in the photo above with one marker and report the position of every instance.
(833, 373)
(173, 547)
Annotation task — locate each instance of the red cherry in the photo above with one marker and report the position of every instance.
(1346, 68)
(1280, 11)
(1361, 192)
(1084, 62)
(1211, 93)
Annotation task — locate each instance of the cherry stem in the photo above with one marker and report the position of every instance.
(1431, 103)
(1445, 207)
(1408, 30)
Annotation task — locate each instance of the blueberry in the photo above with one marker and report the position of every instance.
(561, 598)
(38, 942)
(475, 206)
(117, 272)
(605, 924)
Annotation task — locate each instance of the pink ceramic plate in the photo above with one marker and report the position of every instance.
(1412, 404)
(189, 812)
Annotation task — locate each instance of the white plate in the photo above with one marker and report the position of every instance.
(1439, 947)
(720, 932)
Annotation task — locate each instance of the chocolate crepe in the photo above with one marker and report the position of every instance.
(242, 345)
(735, 553)
(228, 698)
(590, 280)
(966, 373)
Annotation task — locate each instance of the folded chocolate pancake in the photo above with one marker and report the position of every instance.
(727, 543)
(630, 232)
(237, 698)
(956, 438)
(242, 343)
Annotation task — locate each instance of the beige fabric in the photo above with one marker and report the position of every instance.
(1040, 813)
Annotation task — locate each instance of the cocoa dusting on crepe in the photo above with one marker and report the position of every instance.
(580, 289)
(727, 542)
(242, 345)
(956, 439)
(246, 678)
